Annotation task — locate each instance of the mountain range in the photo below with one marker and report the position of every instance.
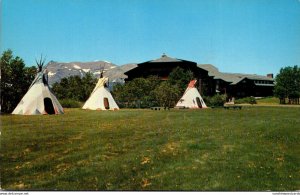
(59, 70)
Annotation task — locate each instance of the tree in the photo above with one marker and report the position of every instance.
(167, 94)
(136, 93)
(180, 78)
(120, 95)
(288, 84)
(151, 91)
(75, 87)
(15, 80)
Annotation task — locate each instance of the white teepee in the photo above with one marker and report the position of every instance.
(101, 98)
(39, 99)
(191, 97)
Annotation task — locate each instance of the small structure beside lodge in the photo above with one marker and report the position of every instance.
(210, 80)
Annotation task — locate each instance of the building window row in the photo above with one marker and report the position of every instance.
(262, 82)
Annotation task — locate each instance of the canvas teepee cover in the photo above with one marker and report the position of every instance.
(191, 97)
(39, 99)
(101, 98)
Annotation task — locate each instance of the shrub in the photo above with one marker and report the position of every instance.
(216, 100)
(69, 103)
(167, 94)
(246, 100)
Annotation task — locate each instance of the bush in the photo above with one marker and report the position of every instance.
(216, 100)
(167, 94)
(246, 100)
(69, 103)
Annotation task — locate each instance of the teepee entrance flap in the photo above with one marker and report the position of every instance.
(48, 106)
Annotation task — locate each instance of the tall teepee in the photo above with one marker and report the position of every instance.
(101, 98)
(39, 99)
(191, 97)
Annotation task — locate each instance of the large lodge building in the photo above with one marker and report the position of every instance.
(210, 80)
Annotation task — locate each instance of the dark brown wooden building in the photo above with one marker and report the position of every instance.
(210, 80)
(239, 85)
(163, 66)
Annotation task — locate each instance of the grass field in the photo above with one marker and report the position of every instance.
(253, 149)
(268, 101)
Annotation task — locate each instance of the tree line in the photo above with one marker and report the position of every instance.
(151, 91)
(287, 86)
(138, 93)
(75, 87)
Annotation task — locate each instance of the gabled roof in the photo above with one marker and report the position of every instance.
(232, 78)
(165, 58)
(162, 66)
(212, 70)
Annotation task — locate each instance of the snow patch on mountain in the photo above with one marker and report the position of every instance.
(86, 69)
(97, 72)
(76, 66)
(51, 73)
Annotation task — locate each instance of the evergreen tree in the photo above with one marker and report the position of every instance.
(180, 78)
(15, 80)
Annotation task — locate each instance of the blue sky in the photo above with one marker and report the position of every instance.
(246, 36)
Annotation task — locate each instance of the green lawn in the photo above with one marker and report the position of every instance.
(253, 149)
(268, 101)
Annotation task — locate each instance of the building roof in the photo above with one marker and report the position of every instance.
(165, 58)
(232, 78)
(162, 67)
(212, 70)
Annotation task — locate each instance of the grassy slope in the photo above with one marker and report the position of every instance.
(214, 149)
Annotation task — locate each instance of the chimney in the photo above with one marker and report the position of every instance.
(270, 75)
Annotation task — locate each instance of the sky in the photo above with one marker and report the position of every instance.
(238, 36)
